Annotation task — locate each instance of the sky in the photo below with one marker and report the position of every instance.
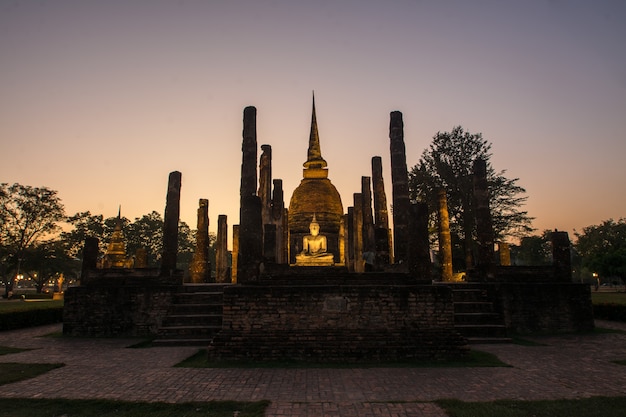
(101, 100)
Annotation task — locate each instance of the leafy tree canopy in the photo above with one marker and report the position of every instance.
(144, 232)
(448, 164)
(533, 250)
(27, 216)
(603, 248)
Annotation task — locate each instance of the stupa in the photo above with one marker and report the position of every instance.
(315, 197)
(115, 255)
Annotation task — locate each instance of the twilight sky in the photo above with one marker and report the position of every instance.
(100, 100)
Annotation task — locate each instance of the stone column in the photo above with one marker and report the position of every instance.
(419, 247)
(484, 228)
(350, 239)
(200, 267)
(357, 229)
(505, 254)
(170, 225)
(249, 151)
(141, 258)
(269, 242)
(250, 217)
(381, 216)
(265, 183)
(221, 250)
(342, 241)
(250, 240)
(400, 187)
(235, 255)
(445, 241)
(561, 256)
(368, 218)
(284, 245)
(91, 252)
(278, 218)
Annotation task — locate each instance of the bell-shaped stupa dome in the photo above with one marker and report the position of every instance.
(315, 196)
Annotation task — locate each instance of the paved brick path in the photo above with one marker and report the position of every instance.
(570, 366)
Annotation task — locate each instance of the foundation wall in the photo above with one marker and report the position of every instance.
(111, 311)
(545, 307)
(337, 323)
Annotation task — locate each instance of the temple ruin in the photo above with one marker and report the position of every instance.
(320, 282)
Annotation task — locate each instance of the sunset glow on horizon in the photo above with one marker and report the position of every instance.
(102, 100)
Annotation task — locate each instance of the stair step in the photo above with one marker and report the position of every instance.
(477, 318)
(473, 307)
(481, 330)
(182, 342)
(488, 340)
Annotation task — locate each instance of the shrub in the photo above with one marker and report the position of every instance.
(29, 318)
(610, 311)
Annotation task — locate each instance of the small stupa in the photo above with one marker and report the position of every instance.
(115, 255)
(315, 197)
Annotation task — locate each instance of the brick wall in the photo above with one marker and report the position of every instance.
(337, 323)
(105, 311)
(545, 307)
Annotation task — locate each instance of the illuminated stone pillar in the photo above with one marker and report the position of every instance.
(368, 217)
(141, 258)
(170, 225)
(265, 183)
(400, 187)
(279, 218)
(235, 254)
(284, 233)
(221, 250)
(445, 241)
(350, 239)
(505, 254)
(381, 216)
(419, 247)
(200, 267)
(484, 229)
(357, 229)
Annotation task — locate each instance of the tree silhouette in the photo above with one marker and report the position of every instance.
(447, 164)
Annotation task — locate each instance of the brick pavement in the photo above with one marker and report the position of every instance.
(568, 366)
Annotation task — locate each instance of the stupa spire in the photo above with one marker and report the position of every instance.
(314, 155)
(118, 223)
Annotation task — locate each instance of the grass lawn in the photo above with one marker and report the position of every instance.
(12, 306)
(608, 297)
(5, 350)
(475, 359)
(588, 407)
(26, 407)
(13, 372)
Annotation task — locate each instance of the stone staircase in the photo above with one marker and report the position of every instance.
(475, 316)
(194, 318)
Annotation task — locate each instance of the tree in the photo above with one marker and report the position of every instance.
(144, 232)
(603, 248)
(85, 225)
(534, 250)
(27, 215)
(48, 260)
(448, 164)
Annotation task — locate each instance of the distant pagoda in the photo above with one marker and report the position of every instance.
(115, 255)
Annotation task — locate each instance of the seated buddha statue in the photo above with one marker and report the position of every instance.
(314, 248)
